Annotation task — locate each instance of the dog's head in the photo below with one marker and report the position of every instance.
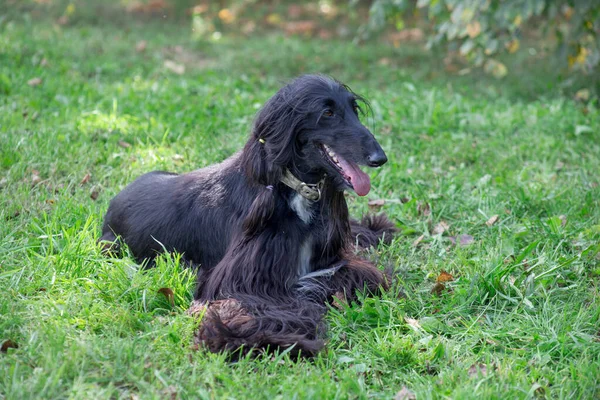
(312, 127)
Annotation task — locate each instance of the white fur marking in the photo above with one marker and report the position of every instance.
(302, 207)
(304, 257)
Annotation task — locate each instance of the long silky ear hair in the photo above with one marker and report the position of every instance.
(266, 154)
(272, 141)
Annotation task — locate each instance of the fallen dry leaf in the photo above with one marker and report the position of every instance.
(8, 344)
(444, 277)
(124, 144)
(413, 323)
(85, 179)
(418, 240)
(563, 220)
(405, 394)
(63, 20)
(440, 228)
(375, 205)
(424, 209)
(170, 392)
(35, 178)
(94, 194)
(493, 219)
(477, 369)
(174, 67)
(140, 47)
(169, 294)
(44, 62)
(339, 301)
(34, 82)
(462, 240)
(438, 288)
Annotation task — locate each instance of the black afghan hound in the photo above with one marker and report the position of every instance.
(268, 228)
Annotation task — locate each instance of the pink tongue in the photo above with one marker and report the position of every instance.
(360, 181)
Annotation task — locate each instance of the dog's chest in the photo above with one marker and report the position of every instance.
(303, 208)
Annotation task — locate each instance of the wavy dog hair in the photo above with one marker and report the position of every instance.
(268, 260)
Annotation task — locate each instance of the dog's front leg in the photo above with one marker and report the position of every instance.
(263, 265)
(342, 279)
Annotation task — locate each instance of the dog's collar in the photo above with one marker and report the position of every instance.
(310, 191)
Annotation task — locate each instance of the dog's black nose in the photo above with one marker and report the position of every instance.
(376, 159)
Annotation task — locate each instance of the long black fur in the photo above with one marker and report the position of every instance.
(250, 236)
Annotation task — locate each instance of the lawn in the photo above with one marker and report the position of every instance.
(494, 184)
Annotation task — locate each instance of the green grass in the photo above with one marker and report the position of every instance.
(520, 320)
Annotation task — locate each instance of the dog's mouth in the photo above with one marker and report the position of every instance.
(349, 171)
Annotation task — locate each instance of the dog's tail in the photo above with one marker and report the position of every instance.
(248, 324)
(372, 230)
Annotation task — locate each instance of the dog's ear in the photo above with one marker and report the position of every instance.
(271, 146)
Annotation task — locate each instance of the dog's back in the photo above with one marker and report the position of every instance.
(191, 213)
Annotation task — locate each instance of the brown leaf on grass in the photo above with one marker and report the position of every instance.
(413, 323)
(418, 240)
(44, 62)
(405, 394)
(444, 277)
(174, 67)
(94, 194)
(375, 205)
(563, 219)
(438, 288)
(465, 240)
(440, 228)
(35, 177)
(63, 20)
(493, 219)
(462, 240)
(34, 81)
(140, 47)
(404, 200)
(424, 209)
(170, 392)
(124, 144)
(477, 369)
(339, 300)
(169, 294)
(8, 344)
(85, 179)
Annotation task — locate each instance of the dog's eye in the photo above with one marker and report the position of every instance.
(328, 113)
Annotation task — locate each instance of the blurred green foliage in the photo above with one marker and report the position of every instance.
(482, 30)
